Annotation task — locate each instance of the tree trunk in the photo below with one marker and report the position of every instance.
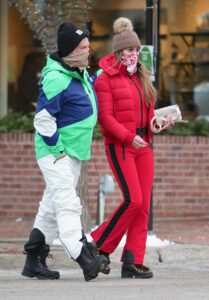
(44, 17)
(82, 190)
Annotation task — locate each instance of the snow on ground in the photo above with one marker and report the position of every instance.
(152, 241)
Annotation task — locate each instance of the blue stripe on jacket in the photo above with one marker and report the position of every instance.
(68, 107)
(77, 105)
(52, 140)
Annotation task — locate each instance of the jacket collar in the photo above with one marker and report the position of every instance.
(110, 65)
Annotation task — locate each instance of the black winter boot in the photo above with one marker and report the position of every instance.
(35, 265)
(131, 270)
(135, 270)
(91, 265)
(36, 239)
(94, 250)
(106, 270)
(37, 252)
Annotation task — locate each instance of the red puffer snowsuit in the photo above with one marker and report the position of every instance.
(122, 113)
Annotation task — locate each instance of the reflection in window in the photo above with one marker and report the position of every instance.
(184, 36)
(101, 20)
(26, 58)
(28, 82)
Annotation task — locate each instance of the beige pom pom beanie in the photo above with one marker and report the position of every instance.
(125, 36)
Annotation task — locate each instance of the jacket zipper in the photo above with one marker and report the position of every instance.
(124, 151)
(140, 95)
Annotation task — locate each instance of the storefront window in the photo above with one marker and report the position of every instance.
(103, 15)
(184, 51)
(26, 58)
(184, 63)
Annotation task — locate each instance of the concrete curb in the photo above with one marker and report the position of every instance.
(11, 255)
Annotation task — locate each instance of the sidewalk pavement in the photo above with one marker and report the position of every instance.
(181, 269)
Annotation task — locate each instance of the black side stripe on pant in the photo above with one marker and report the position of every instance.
(126, 195)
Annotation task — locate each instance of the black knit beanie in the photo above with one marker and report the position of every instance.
(68, 38)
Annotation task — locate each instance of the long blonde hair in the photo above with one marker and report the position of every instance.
(149, 90)
(142, 72)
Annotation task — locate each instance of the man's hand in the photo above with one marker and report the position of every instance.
(60, 157)
(138, 142)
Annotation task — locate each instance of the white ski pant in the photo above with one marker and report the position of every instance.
(60, 209)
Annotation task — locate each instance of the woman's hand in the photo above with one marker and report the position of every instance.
(138, 142)
(171, 124)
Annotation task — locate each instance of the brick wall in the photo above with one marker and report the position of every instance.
(21, 183)
(180, 187)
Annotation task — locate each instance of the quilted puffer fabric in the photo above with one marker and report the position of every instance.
(121, 102)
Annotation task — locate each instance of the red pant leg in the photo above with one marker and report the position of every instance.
(109, 234)
(137, 231)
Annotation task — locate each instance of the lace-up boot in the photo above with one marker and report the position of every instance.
(131, 270)
(37, 251)
(135, 271)
(35, 264)
(106, 270)
(91, 265)
(94, 250)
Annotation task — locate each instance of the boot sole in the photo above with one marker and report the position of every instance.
(127, 274)
(106, 270)
(101, 263)
(28, 273)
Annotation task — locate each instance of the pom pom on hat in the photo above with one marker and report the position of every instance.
(124, 37)
(122, 24)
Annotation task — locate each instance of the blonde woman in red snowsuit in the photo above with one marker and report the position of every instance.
(126, 105)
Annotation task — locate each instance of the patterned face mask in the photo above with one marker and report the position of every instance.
(130, 60)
